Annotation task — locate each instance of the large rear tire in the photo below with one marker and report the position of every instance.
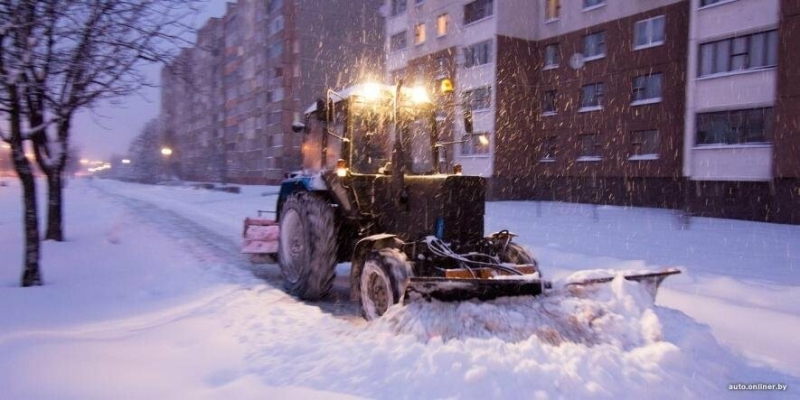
(383, 281)
(307, 245)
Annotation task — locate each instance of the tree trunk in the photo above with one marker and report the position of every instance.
(55, 207)
(31, 275)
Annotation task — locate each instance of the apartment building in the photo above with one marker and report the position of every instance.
(463, 41)
(742, 148)
(582, 100)
(229, 101)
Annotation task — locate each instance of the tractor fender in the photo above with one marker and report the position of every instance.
(298, 182)
(362, 249)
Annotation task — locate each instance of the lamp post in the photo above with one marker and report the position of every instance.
(166, 152)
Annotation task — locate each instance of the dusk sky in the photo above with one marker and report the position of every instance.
(110, 128)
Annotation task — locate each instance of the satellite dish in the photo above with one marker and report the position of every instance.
(576, 61)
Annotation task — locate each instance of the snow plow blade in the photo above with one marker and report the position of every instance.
(461, 289)
(455, 289)
(651, 280)
(260, 236)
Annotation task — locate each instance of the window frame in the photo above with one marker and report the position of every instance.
(602, 36)
(470, 56)
(483, 100)
(595, 154)
(769, 55)
(471, 143)
(597, 4)
(487, 11)
(650, 33)
(392, 47)
(397, 7)
(556, 56)
(442, 17)
(420, 34)
(637, 142)
(741, 130)
(549, 149)
(647, 78)
(599, 103)
(555, 10)
(550, 97)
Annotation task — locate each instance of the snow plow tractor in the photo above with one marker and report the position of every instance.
(374, 192)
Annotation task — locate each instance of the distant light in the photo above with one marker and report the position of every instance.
(84, 161)
(6, 146)
(29, 155)
(126, 161)
(166, 151)
(483, 139)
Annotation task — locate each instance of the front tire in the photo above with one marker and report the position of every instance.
(307, 245)
(383, 282)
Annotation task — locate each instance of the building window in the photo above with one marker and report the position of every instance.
(479, 99)
(478, 10)
(590, 4)
(419, 33)
(704, 3)
(759, 50)
(594, 46)
(398, 7)
(647, 88)
(397, 41)
(478, 54)
(549, 102)
(735, 126)
(472, 145)
(648, 33)
(276, 25)
(644, 145)
(551, 56)
(553, 10)
(590, 147)
(441, 25)
(274, 5)
(278, 72)
(276, 50)
(548, 149)
(592, 97)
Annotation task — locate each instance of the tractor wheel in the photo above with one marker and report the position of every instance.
(307, 245)
(383, 281)
(516, 254)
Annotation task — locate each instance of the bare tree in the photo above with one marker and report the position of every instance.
(61, 56)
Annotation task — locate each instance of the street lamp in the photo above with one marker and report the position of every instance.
(166, 151)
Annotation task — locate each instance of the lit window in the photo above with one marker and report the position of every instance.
(441, 25)
(553, 9)
(648, 33)
(419, 33)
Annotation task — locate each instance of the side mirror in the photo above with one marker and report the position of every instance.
(298, 127)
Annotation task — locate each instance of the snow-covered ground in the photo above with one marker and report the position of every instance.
(149, 298)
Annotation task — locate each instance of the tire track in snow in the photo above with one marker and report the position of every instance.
(222, 255)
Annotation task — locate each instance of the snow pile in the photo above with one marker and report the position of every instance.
(619, 313)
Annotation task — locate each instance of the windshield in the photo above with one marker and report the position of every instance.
(373, 135)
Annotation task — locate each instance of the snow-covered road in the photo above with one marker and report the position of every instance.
(150, 298)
